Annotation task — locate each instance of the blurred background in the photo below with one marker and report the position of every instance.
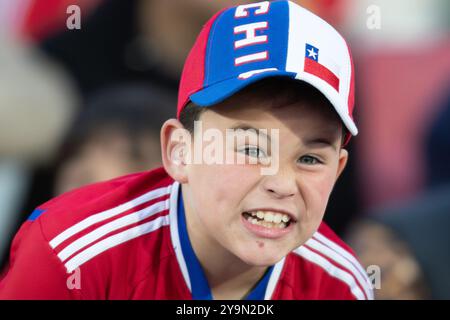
(82, 100)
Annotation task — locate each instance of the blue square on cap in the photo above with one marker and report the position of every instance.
(312, 52)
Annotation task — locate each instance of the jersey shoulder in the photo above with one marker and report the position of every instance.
(63, 211)
(107, 235)
(85, 222)
(325, 267)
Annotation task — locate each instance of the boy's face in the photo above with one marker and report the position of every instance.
(222, 200)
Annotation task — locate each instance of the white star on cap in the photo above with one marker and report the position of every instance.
(312, 53)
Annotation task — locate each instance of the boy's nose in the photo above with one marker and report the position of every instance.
(280, 185)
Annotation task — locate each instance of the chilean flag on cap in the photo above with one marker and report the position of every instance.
(247, 43)
(313, 66)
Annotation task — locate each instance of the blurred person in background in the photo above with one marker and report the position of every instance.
(410, 241)
(118, 133)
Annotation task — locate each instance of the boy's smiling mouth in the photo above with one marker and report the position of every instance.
(268, 223)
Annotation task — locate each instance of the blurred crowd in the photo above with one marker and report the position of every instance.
(85, 104)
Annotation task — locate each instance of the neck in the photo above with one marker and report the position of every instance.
(228, 276)
(223, 269)
(234, 284)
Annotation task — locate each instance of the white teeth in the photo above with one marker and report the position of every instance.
(268, 217)
(271, 216)
(277, 218)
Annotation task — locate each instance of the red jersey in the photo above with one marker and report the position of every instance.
(120, 239)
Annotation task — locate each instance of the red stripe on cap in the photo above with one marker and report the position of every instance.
(193, 74)
(322, 72)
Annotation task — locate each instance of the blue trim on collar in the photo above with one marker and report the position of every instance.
(35, 214)
(259, 291)
(199, 284)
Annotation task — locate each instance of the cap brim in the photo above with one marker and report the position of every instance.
(220, 91)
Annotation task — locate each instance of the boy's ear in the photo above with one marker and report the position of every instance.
(343, 158)
(175, 149)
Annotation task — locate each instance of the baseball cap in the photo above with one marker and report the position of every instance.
(244, 44)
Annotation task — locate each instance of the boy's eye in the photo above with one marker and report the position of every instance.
(253, 152)
(308, 160)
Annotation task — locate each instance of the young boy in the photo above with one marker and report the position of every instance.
(233, 218)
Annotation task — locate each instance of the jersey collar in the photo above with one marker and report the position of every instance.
(199, 284)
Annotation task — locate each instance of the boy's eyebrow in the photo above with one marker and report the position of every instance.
(325, 142)
(246, 127)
